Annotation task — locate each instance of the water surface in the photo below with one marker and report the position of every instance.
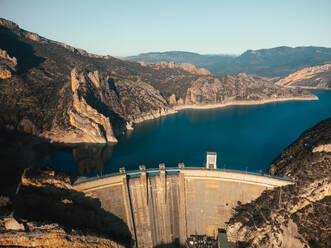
(244, 137)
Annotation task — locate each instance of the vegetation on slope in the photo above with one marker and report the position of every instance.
(295, 215)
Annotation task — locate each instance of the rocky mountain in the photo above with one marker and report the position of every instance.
(295, 215)
(184, 66)
(63, 94)
(199, 60)
(273, 62)
(318, 77)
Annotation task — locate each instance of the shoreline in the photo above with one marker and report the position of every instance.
(244, 102)
(67, 139)
(308, 87)
(176, 108)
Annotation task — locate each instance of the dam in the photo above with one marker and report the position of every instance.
(167, 205)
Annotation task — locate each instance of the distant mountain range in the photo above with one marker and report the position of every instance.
(273, 62)
(196, 59)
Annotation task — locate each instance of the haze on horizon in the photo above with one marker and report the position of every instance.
(124, 28)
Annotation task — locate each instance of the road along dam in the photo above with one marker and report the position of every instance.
(167, 205)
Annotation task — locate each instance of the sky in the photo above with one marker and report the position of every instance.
(124, 27)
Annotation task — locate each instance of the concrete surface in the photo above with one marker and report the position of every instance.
(167, 206)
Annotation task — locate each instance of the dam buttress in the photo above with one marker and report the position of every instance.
(163, 206)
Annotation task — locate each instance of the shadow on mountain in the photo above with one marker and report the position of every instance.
(24, 53)
(118, 123)
(42, 200)
(19, 150)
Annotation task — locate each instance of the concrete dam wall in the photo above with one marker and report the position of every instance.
(167, 206)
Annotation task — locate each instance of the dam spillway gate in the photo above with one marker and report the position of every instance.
(164, 206)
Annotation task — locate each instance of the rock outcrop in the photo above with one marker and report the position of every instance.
(4, 73)
(94, 126)
(7, 65)
(47, 212)
(241, 87)
(171, 65)
(295, 215)
(318, 77)
(54, 238)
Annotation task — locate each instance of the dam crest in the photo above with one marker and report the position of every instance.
(167, 205)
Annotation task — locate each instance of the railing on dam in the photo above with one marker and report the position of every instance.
(172, 170)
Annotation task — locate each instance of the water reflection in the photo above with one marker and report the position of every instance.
(80, 159)
(17, 152)
(91, 159)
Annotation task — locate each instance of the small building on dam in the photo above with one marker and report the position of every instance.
(168, 205)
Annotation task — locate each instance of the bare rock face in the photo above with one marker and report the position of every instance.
(7, 65)
(95, 127)
(147, 100)
(54, 238)
(4, 56)
(32, 36)
(172, 65)
(87, 124)
(323, 148)
(241, 87)
(172, 99)
(49, 213)
(11, 224)
(4, 73)
(310, 77)
(295, 215)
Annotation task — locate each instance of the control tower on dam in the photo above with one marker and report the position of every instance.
(167, 205)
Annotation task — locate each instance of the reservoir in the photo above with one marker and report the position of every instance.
(244, 137)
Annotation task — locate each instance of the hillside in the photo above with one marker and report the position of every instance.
(196, 59)
(295, 215)
(48, 212)
(273, 62)
(317, 77)
(65, 94)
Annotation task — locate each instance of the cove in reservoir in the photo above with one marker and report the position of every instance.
(244, 137)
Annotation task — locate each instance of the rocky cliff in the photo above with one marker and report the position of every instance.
(295, 215)
(185, 66)
(241, 87)
(318, 77)
(7, 65)
(64, 94)
(47, 212)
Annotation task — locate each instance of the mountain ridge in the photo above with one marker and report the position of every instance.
(316, 77)
(269, 62)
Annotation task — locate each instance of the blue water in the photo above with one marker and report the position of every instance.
(244, 137)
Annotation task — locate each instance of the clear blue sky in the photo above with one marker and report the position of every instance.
(123, 27)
